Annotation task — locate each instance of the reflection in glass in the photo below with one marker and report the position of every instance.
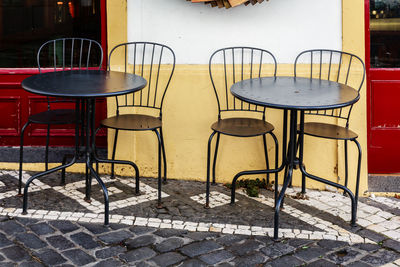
(26, 24)
(385, 33)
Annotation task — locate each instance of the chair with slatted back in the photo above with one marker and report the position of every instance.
(57, 55)
(142, 111)
(235, 117)
(340, 67)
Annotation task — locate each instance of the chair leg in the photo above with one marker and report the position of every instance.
(46, 156)
(159, 205)
(113, 154)
(163, 155)
(21, 156)
(215, 158)
(358, 179)
(276, 164)
(346, 166)
(208, 170)
(266, 156)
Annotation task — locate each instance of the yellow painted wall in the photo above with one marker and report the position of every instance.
(190, 108)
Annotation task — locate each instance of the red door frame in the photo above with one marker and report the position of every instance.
(12, 94)
(382, 143)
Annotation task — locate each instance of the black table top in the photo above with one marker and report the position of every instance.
(295, 93)
(83, 83)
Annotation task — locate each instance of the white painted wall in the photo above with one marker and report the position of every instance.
(194, 31)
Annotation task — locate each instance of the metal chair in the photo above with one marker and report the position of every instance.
(340, 67)
(156, 63)
(57, 55)
(228, 66)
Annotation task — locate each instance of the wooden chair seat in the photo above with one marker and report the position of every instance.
(329, 131)
(243, 127)
(132, 122)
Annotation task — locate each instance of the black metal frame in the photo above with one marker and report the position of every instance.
(317, 67)
(257, 57)
(88, 113)
(82, 44)
(143, 98)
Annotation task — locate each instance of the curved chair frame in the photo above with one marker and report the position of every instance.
(252, 68)
(63, 116)
(318, 66)
(148, 98)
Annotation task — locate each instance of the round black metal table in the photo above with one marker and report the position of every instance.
(84, 86)
(295, 95)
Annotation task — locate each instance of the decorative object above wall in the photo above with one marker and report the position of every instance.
(227, 3)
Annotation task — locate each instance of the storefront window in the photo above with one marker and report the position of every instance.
(385, 33)
(26, 24)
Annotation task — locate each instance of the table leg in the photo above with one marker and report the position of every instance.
(288, 169)
(61, 167)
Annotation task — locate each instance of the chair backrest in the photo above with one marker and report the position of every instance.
(70, 53)
(335, 66)
(233, 64)
(154, 62)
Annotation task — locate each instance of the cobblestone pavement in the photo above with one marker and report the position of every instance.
(61, 229)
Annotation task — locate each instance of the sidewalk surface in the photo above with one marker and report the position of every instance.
(61, 229)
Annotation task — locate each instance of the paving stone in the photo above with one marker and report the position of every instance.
(245, 247)
(115, 237)
(307, 253)
(59, 242)
(30, 240)
(168, 259)
(4, 241)
(139, 230)
(11, 227)
(169, 232)
(169, 244)
(31, 264)
(2, 258)
(367, 247)
(342, 256)
(286, 261)
(84, 240)
(193, 263)
(109, 252)
(64, 226)
(230, 239)
(198, 248)
(144, 264)
(198, 236)
(108, 263)
(41, 228)
(250, 260)
(50, 257)
(7, 264)
(392, 244)
(216, 257)
(95, 228)
(358, 264)
(321, 263)
(381, 257)
(78, 257)
(331, 244)
(277, 250)
(138, 254)
(371, 235)
(15, 253)
(141, 241)
(296, 243)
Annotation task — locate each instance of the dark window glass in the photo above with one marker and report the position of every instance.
(26, 24)
(385, 33)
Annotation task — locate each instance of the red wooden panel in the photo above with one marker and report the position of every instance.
(9, 125)
(384, 104)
